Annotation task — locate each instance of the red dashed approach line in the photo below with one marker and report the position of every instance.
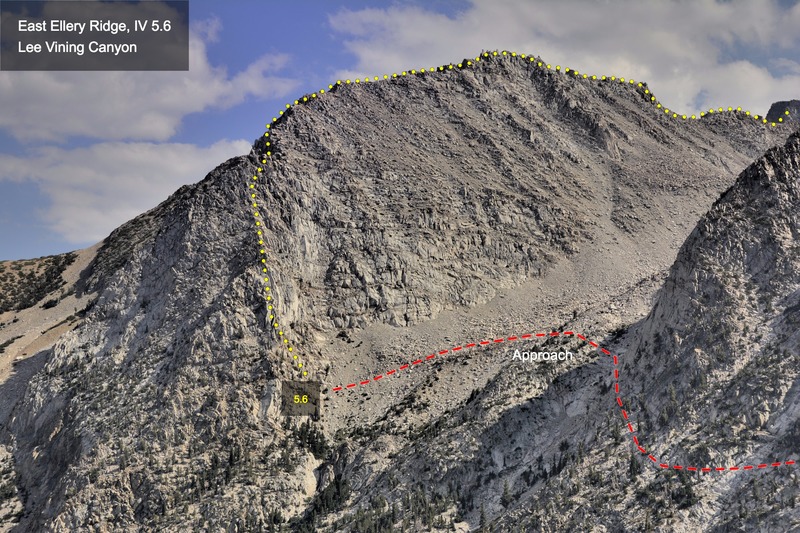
(620, 403)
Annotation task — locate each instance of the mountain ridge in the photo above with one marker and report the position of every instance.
(739, 416)
(162, 408)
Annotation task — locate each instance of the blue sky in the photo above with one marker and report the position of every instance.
(82, 152)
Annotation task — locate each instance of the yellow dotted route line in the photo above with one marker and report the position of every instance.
(442, 68)
(537, 63)
(263, 265)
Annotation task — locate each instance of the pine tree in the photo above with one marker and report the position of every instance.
(506, 498)
(634, 467)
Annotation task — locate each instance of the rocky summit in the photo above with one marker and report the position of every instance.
(413, 234)
(788, 111)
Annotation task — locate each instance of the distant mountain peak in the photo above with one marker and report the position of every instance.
(778, 110)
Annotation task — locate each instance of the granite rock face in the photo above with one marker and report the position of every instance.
(709, 379)
(778, 111)
(395, 216)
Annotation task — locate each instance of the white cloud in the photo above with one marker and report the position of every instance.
(686, 51)
(95, 189)
(208, 30)
(53, 106)
(786, 65)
